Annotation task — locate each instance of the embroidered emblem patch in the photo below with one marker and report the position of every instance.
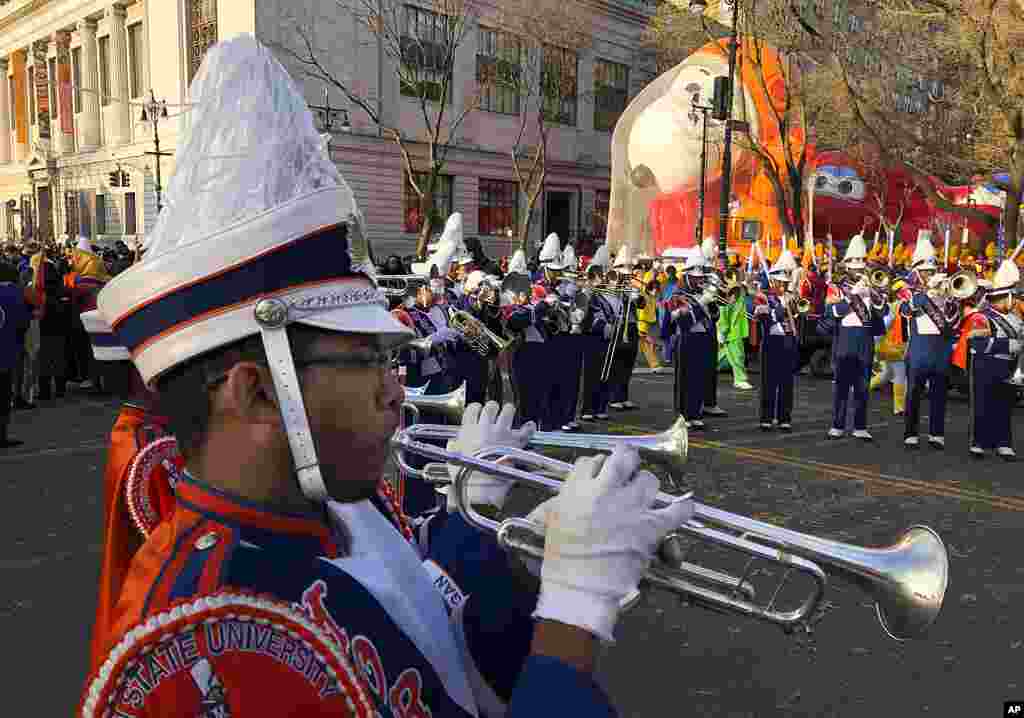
(231, 654)
(149, 488)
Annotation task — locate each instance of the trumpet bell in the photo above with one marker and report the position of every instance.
(909, 583)
(963, 285)
(450, 405)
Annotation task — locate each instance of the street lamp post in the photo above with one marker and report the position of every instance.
(154, 111)
(698, 7)
(704, 110)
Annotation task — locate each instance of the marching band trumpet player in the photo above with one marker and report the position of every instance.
(565, 346)
(629, 343)
(854, 318)
(994, 335)
(709, 250)
(687, 324)
(777, 317)
(933, 319)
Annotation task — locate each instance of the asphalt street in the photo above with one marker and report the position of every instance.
(671, 659)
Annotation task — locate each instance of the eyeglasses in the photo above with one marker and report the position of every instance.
(361, 359)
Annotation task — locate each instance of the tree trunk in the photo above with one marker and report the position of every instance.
(531, 202)
(427, 213)
(1011, 209)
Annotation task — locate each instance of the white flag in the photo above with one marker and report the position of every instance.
(725, 10)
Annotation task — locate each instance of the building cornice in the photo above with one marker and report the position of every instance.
(21, 12)
(40, 18)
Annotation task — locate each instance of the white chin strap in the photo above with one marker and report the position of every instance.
(272, 316)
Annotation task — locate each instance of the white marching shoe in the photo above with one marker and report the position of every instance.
(835, 433)
(911, 441)
(863, 435)
(1006, 452)
(938, 442)
(977, 452)
(742, 385)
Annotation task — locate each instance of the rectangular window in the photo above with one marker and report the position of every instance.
(71, 213)
(839, 12)
(855, 24)
(558, 85)
(442, 202)
(101, 214)
(30, 87)
(602, 202)
(135, 56)
(498, 208)
(498, 63)
(104, 62)
(53, 86)
(76, 76)
(130, 226)
(611, 92)
(426, 65)
(202, 32)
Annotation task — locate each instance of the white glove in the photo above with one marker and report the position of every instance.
(482, 429)
(444, 334)
(600, 537)
(551, 298)
(577, 316)
(762, 309)
(676, 313)
(1015, 346)
(609, 329)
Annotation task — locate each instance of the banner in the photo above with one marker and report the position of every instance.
(20, 99)
(64, 87)
(42, 88)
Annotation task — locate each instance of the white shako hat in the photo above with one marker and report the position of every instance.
(709, 248)
(624, 258)
(449, 248)
(600, 258)
(551, 252)
(856, 252)
(259, 230)
(784, 266)
(105, 344)
(924, 252)
(694, 262)
(517, 265)
(569, 257)
(474, 280)
(1005, 279)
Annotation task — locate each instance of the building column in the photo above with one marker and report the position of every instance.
(63, 142)
(5, 116)
(89, 132)
(118, 111)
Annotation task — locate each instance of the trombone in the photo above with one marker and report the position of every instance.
(907, 579)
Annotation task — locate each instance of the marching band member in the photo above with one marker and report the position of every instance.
(930, 344)
(854, 320)
(15, 317)
(687, 324)
(561, 387)
(567, 346)
(598, 325)
(286, 580)
(629, 343)
(143, 465)
(776, 314)
(472, 366)
(709, 249)
(994, 336)
(531, 373)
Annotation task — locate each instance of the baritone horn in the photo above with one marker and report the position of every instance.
(907, 579)
(477, 335)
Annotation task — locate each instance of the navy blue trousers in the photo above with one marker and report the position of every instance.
(992, 401)
(534, 380)
(595, 391)
(778, 358)
(566, 367)
(692, 354)
(937, 380)
(852, 374)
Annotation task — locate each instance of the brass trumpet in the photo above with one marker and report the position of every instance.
(963, 284)
(879, 279)
(907, 579)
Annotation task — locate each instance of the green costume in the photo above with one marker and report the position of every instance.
(733, 328)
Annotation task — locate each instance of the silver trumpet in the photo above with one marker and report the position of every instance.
(450, 405)
(907, 579)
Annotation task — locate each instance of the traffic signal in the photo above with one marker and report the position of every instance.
(115, 178)
(126, 181)
(720, 103)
